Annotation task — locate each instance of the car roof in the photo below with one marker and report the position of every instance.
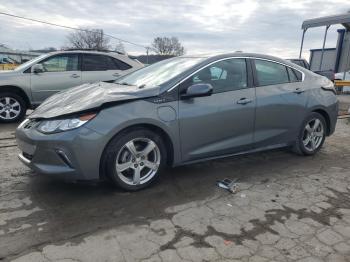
(217, 56)
(88, 52)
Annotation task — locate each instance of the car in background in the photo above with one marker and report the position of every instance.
(178, 111)
(303, 63)
(342, 76)
(32, 82)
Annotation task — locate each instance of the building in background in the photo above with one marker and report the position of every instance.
(336, 59)
(10, 56)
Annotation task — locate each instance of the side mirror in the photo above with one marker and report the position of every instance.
(38, 68)
(198, 90)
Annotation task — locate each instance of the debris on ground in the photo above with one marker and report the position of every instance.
(228, 184)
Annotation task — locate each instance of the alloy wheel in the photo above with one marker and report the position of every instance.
(138, 161)
(10, 108)
(313, 135)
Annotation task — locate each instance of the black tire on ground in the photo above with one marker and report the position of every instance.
(114, 147)
(13, 98)
(299, 147)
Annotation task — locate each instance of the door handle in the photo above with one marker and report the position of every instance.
(244, 101)
(74, 76)
(298, 90)
(116, 74)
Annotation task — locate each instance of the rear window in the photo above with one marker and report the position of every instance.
(298, 74)
(119, 65)
(292, 75)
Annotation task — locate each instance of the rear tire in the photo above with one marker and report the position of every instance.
(12, 107)
(311, 135)
(134, 158)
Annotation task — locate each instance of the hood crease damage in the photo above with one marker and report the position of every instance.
(89, 97)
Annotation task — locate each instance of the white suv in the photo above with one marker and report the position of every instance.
(32, 82)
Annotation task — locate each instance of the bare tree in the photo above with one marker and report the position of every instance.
(89, 39)
(119, 47)
(168, 46)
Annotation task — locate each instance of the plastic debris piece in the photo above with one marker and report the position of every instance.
(228, 184)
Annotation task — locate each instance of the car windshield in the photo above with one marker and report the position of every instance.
(159, 73)
(34, 60)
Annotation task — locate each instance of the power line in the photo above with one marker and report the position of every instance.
(74, 28)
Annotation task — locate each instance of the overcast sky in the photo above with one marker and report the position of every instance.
(265, 26)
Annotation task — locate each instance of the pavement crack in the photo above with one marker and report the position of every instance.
(340, 200)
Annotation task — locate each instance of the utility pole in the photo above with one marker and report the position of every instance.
(147, 51)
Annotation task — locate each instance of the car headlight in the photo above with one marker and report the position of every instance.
(329, 86)
(60, 125)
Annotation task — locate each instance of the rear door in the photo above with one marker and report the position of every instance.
(61, 71)
(222, 123)
(96, 67)
(281, 103)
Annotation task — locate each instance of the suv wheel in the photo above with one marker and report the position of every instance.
(12, 107)
(134, 159)
(312, 135)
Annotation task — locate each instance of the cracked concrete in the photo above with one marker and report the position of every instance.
(288, 208)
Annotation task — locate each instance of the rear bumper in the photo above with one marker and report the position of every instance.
(73, 155)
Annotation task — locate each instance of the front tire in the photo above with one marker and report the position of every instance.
(312, 135)
(12, 107)
(134, 159)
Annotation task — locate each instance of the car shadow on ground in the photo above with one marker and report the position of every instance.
(98, 205)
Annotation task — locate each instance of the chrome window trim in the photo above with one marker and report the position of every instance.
(236, 57)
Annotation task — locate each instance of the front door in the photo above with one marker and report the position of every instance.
(60, 72)
(222, 123)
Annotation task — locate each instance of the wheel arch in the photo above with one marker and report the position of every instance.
(326, 116)
(18, 91)
(154, 128)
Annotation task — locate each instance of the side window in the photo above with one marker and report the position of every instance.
(95, 62)
(292, 76)
(226, 75)
(119, 65)
(61, 63)
(270, 73)
(298, 75)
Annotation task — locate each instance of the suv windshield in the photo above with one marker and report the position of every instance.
(159, 73)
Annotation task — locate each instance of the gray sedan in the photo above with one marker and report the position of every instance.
(175, 112)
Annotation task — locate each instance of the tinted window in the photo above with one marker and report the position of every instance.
(270, 73)
(61, 63)
(298, 75)
(292, 76)
(119, 65)
(96, 62)
(224, 76)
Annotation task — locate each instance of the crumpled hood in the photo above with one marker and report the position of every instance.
(89, 96)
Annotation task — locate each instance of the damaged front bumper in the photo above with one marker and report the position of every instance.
(70, 155)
